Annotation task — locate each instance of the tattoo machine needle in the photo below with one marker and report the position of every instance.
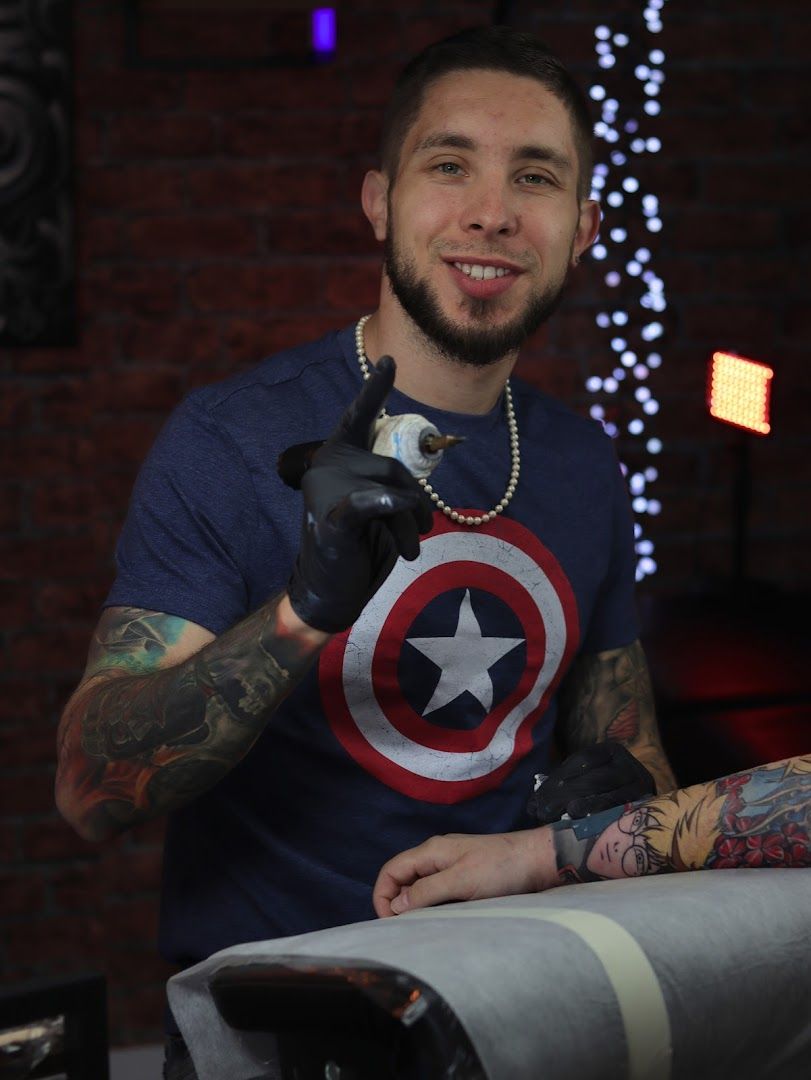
(409, 438)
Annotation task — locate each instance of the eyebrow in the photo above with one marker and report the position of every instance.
(454, 141)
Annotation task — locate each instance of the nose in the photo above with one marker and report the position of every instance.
(490, 210)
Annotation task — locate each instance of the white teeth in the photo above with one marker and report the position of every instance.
(481, 273)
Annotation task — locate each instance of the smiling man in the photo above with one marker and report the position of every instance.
(313, 682)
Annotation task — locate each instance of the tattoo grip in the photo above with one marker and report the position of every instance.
(593, 779)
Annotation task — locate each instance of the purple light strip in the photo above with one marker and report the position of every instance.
(324, 30)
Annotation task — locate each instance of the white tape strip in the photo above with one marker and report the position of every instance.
(639, 995)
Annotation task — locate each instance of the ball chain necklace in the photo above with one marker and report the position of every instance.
(515, 453)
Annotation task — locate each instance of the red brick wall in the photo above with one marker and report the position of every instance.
(218, 221)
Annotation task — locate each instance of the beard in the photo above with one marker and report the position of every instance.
(477, 346)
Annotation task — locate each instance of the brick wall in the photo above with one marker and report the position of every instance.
(218, 221)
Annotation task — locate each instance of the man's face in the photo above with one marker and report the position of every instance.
(483, 217)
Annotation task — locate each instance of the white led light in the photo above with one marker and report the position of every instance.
(654, 360)
(644, 547)
(647, 565)
(630, 183)
(641, 372)
(640, 504)
(611, 135)
(653, 145)
(618, 158)
(611, 429)
(612, 103)
(652, 108)
(654, 506)
(651, 474)
(597, 412)
(631, 126)
(638, 145)
(628, 359)
(651, 331)
(618, 344)
(654, 446)
(597, 93)
(650, 407)
(614, 198)
(619, 318)
(637, 530)
(612, 279)
(656, 56)
(642, 255)
(606, 61)
(642, 72)
(602, 33)
(600, 128)
(654, 224)
(602, 48)
(634, 268)
(621, 39)
(618, 235)
(642, 393)
(603, 319)
(599, 251)
(636, 427)
(593, 384)
(610, 385)
(651, 88)
(637, 484)
(601, 169)
(597, 186)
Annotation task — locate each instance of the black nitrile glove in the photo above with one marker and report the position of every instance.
(596, 778)
(361, 510)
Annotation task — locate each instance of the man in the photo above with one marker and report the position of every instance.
(303, 729)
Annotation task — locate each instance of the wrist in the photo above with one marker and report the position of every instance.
(290, 623)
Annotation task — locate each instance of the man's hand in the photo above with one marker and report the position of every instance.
(461, 867)
(361, 510)
(596, 778)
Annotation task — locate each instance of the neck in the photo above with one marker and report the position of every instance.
(426, 375)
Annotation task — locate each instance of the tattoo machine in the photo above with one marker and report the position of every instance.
(410, 438)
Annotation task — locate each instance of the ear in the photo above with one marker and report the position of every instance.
(374, 200)
(587, 227)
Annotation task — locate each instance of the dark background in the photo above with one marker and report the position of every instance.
(217, 220)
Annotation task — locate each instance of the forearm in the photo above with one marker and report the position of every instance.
(761, 817)
(134, 746)
(609, 696)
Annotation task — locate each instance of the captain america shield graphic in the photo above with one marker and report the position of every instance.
(438, 686)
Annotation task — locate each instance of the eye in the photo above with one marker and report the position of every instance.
(535, 179)
(449, 168)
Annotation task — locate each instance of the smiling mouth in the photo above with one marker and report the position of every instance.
(479, 272)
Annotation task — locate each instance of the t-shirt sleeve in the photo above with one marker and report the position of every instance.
(188, 527)
(614, 622)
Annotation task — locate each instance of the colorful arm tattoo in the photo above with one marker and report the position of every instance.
(757, 818)
(132, 746)
(608, 696)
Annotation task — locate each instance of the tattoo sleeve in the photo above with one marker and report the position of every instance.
(139, 737)
(756, 818)
(609, 696)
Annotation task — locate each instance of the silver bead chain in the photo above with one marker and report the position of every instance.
(515, 452)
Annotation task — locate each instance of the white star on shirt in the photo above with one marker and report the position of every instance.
(464, 660)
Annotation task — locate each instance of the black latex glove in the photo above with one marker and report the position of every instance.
(590, 780)
(361, 510)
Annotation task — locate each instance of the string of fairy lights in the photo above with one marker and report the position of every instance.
(625, 402)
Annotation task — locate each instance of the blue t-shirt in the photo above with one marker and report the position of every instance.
(433, 712)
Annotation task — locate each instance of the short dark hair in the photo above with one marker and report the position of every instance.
(489, 48)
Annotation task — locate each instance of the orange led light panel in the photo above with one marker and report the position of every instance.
(740, 392)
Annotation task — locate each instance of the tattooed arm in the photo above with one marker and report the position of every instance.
(164, 710)
(608, 695)
(751, 819)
